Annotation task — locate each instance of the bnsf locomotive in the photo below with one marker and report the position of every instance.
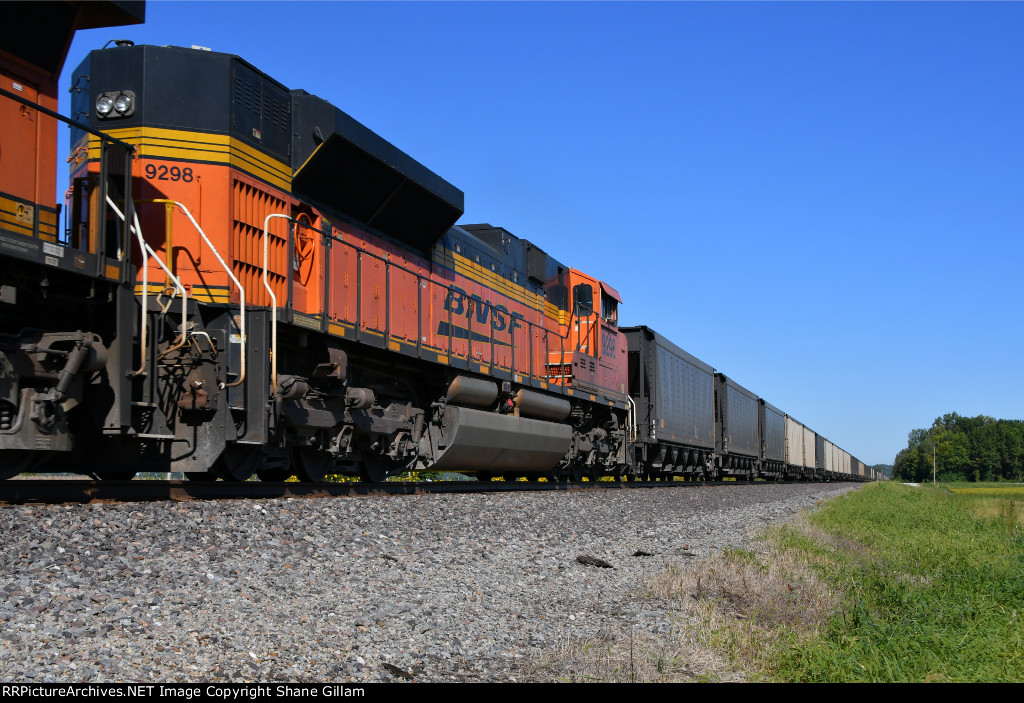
(250, 282)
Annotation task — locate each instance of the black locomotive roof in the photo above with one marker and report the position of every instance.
(336, 162)
(345, 165)
(531, 263)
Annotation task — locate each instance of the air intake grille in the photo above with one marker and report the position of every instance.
(260, 112)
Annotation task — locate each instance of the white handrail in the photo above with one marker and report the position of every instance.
(147, 252)
(241, 290)
(631, 420)
(177, 284)
(273, 301)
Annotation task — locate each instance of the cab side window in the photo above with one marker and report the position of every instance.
(609, 309)
(583, 300)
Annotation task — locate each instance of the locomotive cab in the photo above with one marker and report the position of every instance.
(595, 357)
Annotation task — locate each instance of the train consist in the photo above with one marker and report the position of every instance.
(250, 282)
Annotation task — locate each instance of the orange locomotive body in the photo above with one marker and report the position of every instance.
(292, 296)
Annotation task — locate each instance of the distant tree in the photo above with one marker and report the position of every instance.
(964, 448)
(909, 465)
(1011, 435)
(953, 453)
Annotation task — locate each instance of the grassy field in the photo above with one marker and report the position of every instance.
(888, 583)
(909, 584)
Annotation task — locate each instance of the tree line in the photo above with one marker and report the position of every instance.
(965, 449)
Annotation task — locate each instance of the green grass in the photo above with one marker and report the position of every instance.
(932, 584)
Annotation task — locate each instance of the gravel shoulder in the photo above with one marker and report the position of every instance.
(447, 587)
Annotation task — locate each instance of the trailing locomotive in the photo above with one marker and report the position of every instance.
(253, 283)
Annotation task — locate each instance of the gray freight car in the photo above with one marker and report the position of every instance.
(738, 446)
(772, 428)
(819, 456)
(673, 396)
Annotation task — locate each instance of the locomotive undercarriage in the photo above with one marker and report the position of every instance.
(53, 362)
(200, 400)
(376, 414)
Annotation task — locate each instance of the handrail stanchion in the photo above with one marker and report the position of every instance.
(273, 302)
(147, 252)
(238, 284)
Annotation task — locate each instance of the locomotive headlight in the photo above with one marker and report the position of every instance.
(115, 103)
(104, 105)
(123, 103)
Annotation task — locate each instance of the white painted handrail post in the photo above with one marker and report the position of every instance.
(238, 284)
(147, 253)
(144, 332)
(273, 302)
(177, 284)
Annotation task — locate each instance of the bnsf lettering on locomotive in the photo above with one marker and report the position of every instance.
(459, 302)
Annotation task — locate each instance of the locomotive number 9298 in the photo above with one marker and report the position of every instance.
(165, 173)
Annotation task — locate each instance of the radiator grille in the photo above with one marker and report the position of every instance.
(250, 206)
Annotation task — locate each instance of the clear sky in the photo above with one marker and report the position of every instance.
(824, 201)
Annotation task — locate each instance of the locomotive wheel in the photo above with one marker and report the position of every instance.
(278, 467)
(576, 473)
(312, 465)
(239, 462)
(375, 468)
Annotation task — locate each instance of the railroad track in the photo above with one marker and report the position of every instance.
(89, 491)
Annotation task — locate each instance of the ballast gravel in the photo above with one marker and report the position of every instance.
(443, 587)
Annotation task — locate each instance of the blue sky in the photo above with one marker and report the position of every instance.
(824, 201)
